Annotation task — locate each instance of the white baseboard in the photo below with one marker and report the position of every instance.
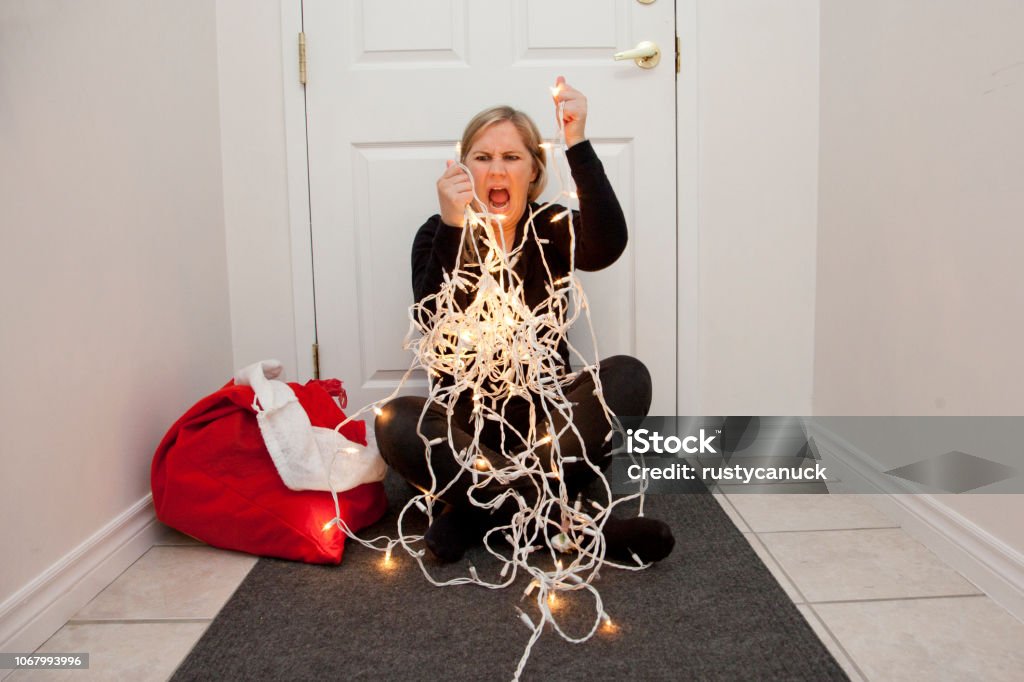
(996, 568)
(31, 615)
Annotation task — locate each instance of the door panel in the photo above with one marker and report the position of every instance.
(408, 34)
(384, 280)
(391, 85)
(546, 30)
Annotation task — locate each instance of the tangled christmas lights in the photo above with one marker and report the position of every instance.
(479, 333)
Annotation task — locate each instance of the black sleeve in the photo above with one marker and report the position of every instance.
(599, 225)
(434, 251)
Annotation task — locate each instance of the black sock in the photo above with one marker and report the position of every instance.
(651, 540)
(455, 530)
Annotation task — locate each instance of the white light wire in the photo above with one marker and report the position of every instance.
(497, 347)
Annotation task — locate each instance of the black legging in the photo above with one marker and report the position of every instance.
(626, 385)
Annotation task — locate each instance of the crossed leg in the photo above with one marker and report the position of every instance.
(626, 388)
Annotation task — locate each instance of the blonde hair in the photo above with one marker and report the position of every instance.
(527, 131)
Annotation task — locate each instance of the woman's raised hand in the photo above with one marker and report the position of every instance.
(574, 111)
(454, 192)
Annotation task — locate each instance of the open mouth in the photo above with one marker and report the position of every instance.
(498, 199)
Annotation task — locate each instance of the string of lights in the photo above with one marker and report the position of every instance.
(478, 332)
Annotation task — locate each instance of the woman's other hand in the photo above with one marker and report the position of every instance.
(454, 192)
(574, 111)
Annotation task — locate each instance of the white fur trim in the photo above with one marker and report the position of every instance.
(303, 453)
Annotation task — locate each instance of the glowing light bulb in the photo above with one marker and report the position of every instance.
(552, 600)
(560, 215)
(546, 146)
(377, 411)
(327, 526)
(481, 463)
(545, 440)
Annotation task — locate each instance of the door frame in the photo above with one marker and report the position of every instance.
(688, 329)
(299, 219)
(687, 378)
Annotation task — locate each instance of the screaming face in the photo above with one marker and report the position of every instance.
(502, 170)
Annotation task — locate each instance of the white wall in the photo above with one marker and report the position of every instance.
(112, 267)
(757, 66)
(922, 177)
(920, 224)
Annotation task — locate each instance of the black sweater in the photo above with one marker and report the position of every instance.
(600, 230)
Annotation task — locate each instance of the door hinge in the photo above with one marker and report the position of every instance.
(316, 361)
(302, 58)
(678, 54)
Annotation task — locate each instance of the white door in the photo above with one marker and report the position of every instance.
(391, 85)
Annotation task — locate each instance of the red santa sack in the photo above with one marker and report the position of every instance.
(213, 477)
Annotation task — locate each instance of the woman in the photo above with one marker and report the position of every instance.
(502, 149)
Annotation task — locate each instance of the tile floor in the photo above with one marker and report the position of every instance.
(885, 606)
